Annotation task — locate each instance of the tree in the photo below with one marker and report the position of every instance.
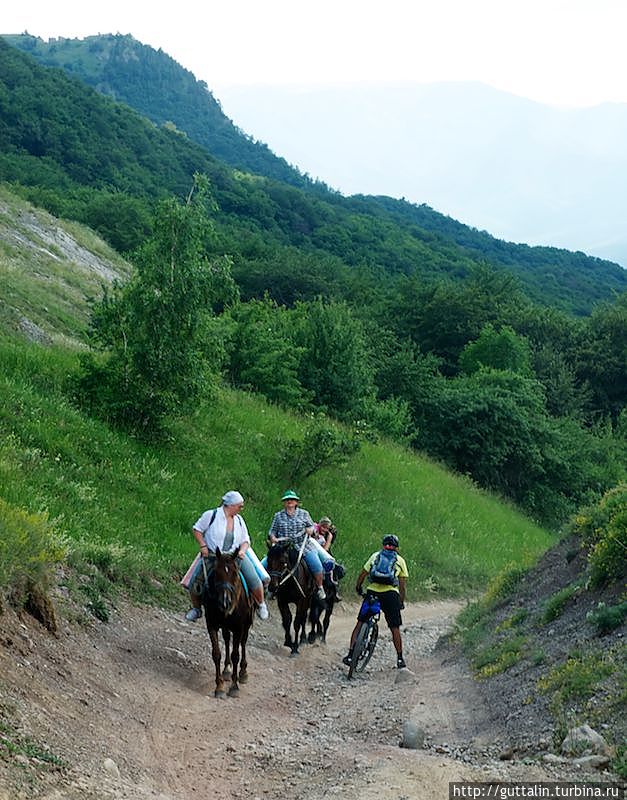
(154, 330)
(503, 349)
(263, 356)
(336, 366)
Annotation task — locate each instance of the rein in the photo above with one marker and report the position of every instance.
(292, 573)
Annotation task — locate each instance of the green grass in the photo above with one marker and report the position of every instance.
(555, 605)
(102, 489)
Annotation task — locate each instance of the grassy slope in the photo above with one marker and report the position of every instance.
(99, 486)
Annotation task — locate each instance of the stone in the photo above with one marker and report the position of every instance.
(111, 767)
(413, 737)
(584, 741)
(592, 762)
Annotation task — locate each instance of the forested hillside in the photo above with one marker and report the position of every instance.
(320, 303)
(162, 90)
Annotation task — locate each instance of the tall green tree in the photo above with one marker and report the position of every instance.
(155, 332)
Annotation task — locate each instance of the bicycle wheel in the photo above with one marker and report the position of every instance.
(370, 646)
(360, 647)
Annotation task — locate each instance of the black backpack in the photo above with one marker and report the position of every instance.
(383, 569)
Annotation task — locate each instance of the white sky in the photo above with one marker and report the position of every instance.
(563, 52)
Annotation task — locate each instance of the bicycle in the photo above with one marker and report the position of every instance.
(367, 635)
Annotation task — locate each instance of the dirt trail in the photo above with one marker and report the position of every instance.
(138, 691)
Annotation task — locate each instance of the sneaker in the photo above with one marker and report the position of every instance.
(193, 614)
(322, 595)
(400, 663)
(347, 660)
(262, 611)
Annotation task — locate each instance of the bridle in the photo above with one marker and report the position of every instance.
(234, 590)
(287, 573)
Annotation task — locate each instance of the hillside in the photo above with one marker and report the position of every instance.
(390, 236)
(56, 458)
(547, 645)
(163, 91)
(524, 171)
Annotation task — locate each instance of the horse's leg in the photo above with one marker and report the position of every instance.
(243, 663)
(327, 620)
(226, 635)
(215, 652)
(286, 619)
(314, 620)
(234, 690)
(300, 623)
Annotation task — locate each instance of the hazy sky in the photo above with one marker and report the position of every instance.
(564, 52)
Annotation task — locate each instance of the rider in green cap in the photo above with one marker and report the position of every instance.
(296, 523)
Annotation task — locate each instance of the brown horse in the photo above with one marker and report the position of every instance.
(290, 583)
(228, 607)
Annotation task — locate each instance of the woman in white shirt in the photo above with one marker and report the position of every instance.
(224, 528)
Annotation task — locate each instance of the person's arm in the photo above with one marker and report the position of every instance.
(328, 539)
(401, 590)
(360, 579)
(200, 538)
(272, 533)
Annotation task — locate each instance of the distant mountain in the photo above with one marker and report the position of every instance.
(526, 172)
(86, 157)
(153, 83)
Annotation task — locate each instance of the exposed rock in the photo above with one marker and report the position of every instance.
(584, 740)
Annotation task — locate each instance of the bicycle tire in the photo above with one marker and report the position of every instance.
(358, 650)
(371, 643)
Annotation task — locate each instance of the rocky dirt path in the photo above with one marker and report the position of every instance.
(128, 706)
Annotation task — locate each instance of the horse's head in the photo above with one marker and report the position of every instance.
(227, 583)
(278, 565)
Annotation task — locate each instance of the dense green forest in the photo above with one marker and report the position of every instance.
(162, 90)
(323, 304)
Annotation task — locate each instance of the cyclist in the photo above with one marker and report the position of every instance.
(391, 595)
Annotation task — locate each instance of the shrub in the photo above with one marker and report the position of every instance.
(603, 530)
(607, 618)
(29, 551)
(556, 604)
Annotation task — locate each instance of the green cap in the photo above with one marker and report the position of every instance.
(290, 495)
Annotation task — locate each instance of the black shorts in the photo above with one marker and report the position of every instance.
(391, 607)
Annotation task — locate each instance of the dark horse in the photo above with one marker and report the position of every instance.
(290, 582)
(228, 608)
(320, 627)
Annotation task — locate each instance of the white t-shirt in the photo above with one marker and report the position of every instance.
(214, 534)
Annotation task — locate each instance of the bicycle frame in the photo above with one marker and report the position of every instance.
(367, 635)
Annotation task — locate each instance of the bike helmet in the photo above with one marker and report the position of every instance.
(390, 540)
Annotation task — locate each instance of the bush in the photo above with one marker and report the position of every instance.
(556, 604)
(29, 552)
(603, 530)
(607, 618)
(321, 446)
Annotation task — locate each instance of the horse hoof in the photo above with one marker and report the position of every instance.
(311, 638)
(227, 674)
(220, 694)
(234, 691)
(243, 678)
(294, 653)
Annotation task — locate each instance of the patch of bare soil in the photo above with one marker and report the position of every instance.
(129, 708)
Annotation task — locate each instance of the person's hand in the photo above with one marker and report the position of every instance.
(359, 591)
(402, 606)
(204, 550)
